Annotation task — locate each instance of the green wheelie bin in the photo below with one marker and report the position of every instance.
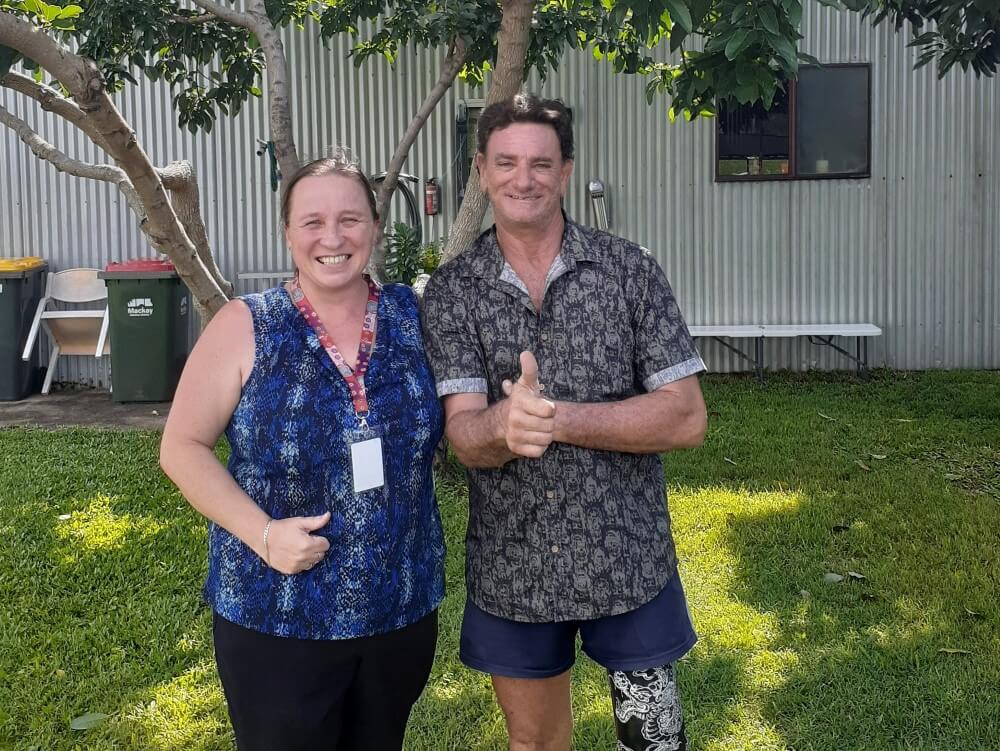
(149, 312)
(22, 282)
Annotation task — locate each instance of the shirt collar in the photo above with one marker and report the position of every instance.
(487, 261)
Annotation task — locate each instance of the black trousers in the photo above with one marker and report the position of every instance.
(340, 695)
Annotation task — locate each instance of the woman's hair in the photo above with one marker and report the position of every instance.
(339, 164)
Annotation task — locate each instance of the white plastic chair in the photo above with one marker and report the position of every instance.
(73, 332)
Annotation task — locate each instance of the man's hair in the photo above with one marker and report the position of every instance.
(338, 164)
(527, 108)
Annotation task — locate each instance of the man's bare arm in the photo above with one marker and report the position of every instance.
(672, 417)
(475, 431)
(520, 426)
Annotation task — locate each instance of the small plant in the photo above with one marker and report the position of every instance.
(403, 254)
(430, 257)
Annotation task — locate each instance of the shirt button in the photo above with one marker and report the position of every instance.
(550, 494)
(544, 336)
(555, 548)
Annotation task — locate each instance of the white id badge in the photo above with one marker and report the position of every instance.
(366, 464)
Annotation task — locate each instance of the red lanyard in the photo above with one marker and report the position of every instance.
(355, 377)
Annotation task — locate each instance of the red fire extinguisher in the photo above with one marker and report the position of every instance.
(432, 197)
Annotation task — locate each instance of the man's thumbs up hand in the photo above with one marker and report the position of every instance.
(528, 419)
(529, 372)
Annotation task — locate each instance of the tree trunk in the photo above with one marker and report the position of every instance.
(256, 21)
(512, 46)
(179, 178)
(279, 97)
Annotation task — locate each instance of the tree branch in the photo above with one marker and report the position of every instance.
(193, 20)
(84, 81)
(35, 44)
(52, 101)
(178, 178)
(227, 14)
(450, 68)
(44, 150)
(257, 22)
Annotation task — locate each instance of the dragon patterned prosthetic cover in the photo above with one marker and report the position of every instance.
(647, 710)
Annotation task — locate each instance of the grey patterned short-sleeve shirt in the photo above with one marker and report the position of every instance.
(578, 533)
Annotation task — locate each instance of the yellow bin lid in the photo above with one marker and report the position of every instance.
(21, 264)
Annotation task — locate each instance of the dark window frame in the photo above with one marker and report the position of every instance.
(792, 143)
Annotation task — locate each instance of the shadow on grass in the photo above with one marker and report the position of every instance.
(896, 480)
(869, 662)
(864, 663)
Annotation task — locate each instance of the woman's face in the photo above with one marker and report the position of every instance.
(330, 232)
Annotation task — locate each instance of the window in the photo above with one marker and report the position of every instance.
(819, 127)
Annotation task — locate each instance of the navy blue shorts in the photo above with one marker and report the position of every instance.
(652, 635)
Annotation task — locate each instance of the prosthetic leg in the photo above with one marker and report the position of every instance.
(647, 710)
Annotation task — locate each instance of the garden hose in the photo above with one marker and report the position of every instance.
(275, 172)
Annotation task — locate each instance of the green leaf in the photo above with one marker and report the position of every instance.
(736, 43)
(767, 17)
(746, 94)
(36, 7)
(785, 49)
(677, 36)
(767, 98)
(795, 14)
(679, 13)
(650, 92)
(88, 721)
(70, 11)
(807, 58)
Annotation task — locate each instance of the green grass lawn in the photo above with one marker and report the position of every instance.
(896, 480)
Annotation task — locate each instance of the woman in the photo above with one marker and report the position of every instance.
(325, 548)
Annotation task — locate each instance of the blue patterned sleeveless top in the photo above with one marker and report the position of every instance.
(290, 439)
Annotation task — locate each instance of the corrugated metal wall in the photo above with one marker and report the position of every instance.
(913, 249)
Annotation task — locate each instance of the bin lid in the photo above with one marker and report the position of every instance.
(21, 264)
(139, 268)
(141, 264)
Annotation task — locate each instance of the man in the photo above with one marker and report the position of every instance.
(565, 369)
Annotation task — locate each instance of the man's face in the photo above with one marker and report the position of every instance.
(524, 175)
